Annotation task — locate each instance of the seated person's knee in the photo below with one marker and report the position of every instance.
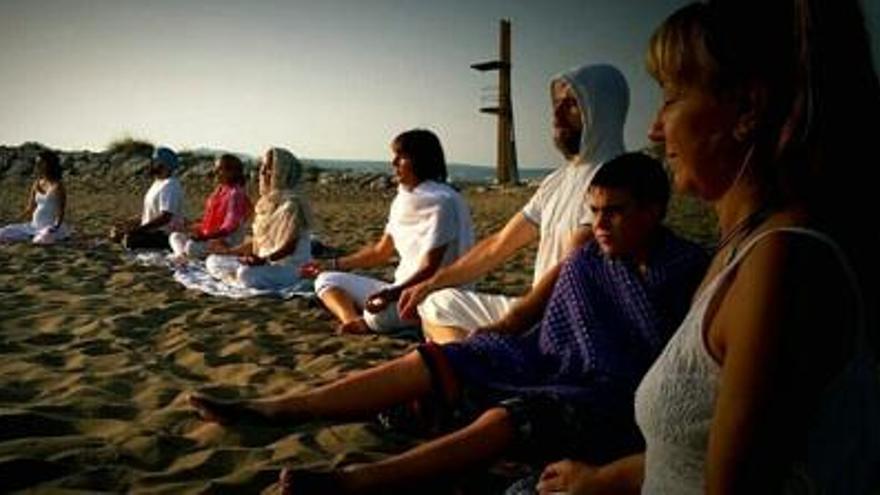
(326, 280)
(431, 308)
(193, 249)
(211, 263)
(380, 321)
(387, 320)
(176, 238)
(216, 266)
(247, 276)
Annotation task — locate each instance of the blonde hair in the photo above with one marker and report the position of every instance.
(677, 52)
(725, 49)
(817, 118)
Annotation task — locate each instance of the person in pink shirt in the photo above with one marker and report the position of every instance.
(227, 210)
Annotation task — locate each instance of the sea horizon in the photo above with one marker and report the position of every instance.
(458, 172)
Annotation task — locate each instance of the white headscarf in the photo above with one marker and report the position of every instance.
(280, 213)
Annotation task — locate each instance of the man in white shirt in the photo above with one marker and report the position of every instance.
(163, 205)
(589, 111)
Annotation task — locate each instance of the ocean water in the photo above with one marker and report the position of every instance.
(457, 172)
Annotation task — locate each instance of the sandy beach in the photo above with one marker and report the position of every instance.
(97, 353)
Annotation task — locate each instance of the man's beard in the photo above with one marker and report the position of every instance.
(568, 143)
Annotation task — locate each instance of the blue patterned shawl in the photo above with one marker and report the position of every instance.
(603, 326)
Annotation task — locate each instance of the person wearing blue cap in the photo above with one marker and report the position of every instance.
(163, 207)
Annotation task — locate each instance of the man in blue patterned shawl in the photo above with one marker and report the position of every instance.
(566, 361)
(554, 378)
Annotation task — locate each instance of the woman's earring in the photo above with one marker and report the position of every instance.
(742, 132)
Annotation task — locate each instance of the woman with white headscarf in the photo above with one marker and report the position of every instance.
(271, 258)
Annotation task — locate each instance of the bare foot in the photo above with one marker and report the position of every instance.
(357, 327)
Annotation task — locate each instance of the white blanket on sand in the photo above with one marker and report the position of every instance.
(193, 275)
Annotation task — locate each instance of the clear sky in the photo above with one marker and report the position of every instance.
(325, 78)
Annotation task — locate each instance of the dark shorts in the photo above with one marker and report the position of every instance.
(548, 427)
(155, 239)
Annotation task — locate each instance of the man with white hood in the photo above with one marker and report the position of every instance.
(590, 104)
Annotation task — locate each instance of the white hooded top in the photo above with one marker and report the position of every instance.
(559, 207)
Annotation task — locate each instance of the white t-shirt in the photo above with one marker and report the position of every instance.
(164, 195)
(429, 216)
(558, 208)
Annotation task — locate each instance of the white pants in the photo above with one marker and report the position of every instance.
(359, 288)
(230, 270)
(464, 309)
(20, 232)
(182, 245)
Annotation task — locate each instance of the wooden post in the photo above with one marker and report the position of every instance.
(506, 170)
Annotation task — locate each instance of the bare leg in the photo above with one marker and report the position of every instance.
(355, 396)
(481, 441)
(340, 304)
(442, 334)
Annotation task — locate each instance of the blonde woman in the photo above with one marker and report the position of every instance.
(769, 385)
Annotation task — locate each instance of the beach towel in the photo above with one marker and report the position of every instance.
(194, 275)
(151, 257)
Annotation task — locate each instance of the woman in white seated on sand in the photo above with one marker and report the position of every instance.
(280, 244)
(429, 226)
(224, 220)
(46, 204)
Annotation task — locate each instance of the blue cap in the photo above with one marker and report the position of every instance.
(167, 157)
